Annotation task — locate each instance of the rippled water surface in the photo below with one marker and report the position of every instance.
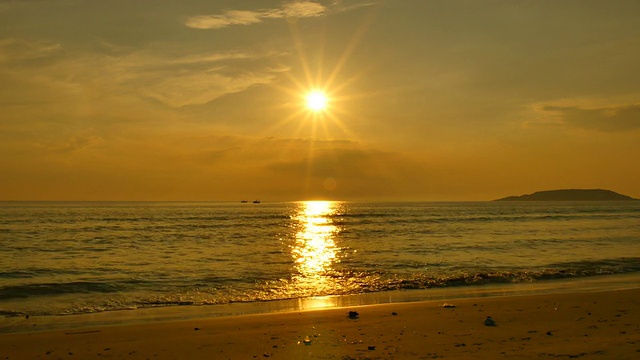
(63, 258)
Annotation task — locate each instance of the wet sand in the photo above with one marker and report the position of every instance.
(585, 325)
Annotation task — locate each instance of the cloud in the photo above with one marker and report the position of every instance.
(33, 72)
(220, 21)
(346, 171)
(342, 6)
(16, 50)
(296, 9)
(197, 79)
(611, 119)
(346, 162)
(300, 9)
(198, 89)
(278, 142)
(216, 57)
(77, 142)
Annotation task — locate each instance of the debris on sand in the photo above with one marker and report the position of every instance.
(489, 321)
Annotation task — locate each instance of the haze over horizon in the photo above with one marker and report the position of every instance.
(415, 100)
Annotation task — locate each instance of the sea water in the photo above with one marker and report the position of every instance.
(60, 258)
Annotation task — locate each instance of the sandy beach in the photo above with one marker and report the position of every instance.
(585, 325)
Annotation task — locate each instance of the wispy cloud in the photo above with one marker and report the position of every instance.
(611, 119)
(197, 89)
(342, 6)
(296, 9)
(173, 79)
(76, 142)
(195, 79)
(19, 50)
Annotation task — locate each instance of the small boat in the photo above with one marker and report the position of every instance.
(244, 201)
(256, 201)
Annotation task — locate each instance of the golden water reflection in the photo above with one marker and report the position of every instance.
(314, 251)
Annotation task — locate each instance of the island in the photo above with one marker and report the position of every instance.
(570, 195)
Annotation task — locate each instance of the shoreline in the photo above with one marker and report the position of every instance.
(582, 324)
(601, 283)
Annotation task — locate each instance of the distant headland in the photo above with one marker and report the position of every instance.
(570, 195)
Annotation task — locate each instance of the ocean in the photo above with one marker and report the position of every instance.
(63, 258)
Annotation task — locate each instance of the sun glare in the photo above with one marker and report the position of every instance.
(317, 101)
(319, 94)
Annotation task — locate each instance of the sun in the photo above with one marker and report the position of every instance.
(317, 100)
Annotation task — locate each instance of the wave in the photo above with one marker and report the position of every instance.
(46, 289)
(332, 283)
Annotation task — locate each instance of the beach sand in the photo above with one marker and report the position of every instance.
(585, 325)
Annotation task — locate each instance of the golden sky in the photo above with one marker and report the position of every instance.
(426, 100)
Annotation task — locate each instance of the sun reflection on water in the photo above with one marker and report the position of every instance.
(314, 251)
